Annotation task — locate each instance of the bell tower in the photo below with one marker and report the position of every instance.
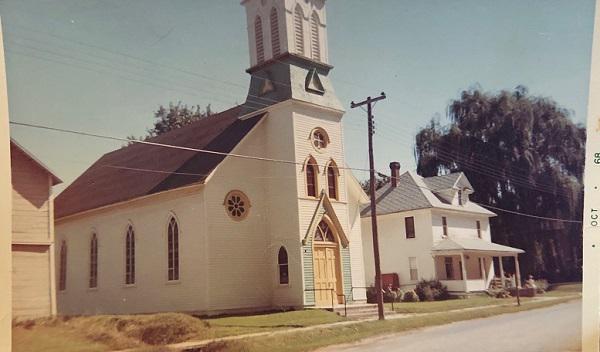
(276, 27)
(289, 57)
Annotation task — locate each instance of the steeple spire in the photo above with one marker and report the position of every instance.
(279, 27)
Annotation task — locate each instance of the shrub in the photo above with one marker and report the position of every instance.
(399, 295)
(371, 295)
(541, 285)
(410, 296)
(431, 290)
(390, 296)
(502, 294)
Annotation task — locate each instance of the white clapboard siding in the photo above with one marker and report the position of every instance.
(31, 281)
(31, 192)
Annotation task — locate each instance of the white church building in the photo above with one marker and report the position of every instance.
(149, 228)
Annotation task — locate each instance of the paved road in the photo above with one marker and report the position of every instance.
(553, 329)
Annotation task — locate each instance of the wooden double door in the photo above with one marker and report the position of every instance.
(327, 274)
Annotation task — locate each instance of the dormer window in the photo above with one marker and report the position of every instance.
(460, 197)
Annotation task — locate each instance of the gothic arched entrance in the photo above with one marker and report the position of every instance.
(326, 264)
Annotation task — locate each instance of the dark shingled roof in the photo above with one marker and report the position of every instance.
(107, 181)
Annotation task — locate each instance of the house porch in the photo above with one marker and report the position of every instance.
(467, 265)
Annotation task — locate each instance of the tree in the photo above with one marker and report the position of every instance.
(174, 117)
(521, 153)
(380, 181)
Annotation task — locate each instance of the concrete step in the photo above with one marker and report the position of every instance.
(360, 310)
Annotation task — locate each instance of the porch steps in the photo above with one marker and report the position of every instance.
(357, 310)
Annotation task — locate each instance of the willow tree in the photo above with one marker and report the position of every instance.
(522, 153)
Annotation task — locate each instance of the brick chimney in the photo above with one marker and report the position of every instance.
(395, 169)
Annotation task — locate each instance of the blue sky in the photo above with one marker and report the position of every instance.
(105, 66)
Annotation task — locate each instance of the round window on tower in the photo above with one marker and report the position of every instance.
(237, 205)
(319, 139)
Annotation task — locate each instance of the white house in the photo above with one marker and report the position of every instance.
(270, 217)
(429, 229)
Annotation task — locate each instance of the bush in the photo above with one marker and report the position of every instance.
(399, 295)
(390, 296)
(431, 290)
(371, 295)
(541, 285)
(410, 296)
(502, 294)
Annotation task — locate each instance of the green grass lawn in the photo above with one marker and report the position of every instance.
(112, 332)
(556, 290)
(564, 289)
(311, 340)
(104, 333)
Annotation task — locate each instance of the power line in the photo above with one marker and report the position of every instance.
(290, 162)
(120, 139)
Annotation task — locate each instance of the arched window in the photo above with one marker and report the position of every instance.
(332, 178)
(315, 44)
(299, 30)
(93, 261)
(173, 243)
(324, 233)
(311, 178)
(62, 273)
(130, 256)
(276, 46)
(282, 261)
(258, 33)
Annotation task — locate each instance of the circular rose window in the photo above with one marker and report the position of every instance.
(237, 205)
(319, 138)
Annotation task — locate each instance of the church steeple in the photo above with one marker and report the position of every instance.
(277, 27)
(289, 57)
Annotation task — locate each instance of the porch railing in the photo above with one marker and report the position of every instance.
(332, 293)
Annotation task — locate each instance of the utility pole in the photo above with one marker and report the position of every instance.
(369, 102)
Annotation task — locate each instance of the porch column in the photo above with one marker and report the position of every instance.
(463, 267)
(501, 272)
(482, 266)
(517, 271)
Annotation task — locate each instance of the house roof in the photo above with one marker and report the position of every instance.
(123, 174)
(472, 244)
(415, 192)
(449, 181)
(28, 154)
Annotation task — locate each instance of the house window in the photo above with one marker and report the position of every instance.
(130, 256)
(444, 227)
(173, 250)
(320, 139)
(276, 46)
(480, 270)
(299, 30)
(311, 178)
(324, 233)
(332, 174)
(478, 228)
(62, 274)
(409, 226)
(260, 46)
(460, 198)
(315, 45)
(237, 205)
(449, 266)
(93, 262)
(412, 264)
(282, 261)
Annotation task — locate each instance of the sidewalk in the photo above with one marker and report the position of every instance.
(182, 346)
